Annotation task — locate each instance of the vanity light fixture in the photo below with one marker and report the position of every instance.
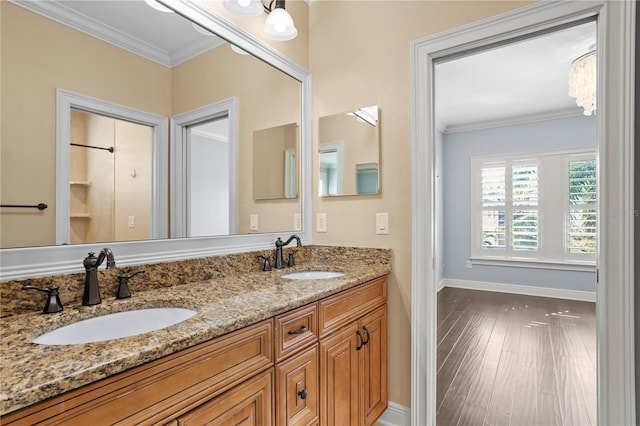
(582, 81)
(279, 24)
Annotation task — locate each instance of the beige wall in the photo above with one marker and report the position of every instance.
(38, 56)
(266, 97)
(359, 55)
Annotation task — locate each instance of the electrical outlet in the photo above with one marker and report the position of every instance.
(253, 222)
(132, 221)
(469, 264)
(321, 222)
(297, 222)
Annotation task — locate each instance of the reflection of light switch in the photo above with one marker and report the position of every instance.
(321, 222)
(132, 221)
(253, 222)
(382, 223)
(297, 222)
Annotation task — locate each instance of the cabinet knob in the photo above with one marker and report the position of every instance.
(303, 394)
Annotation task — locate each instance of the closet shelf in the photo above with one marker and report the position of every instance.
(80, 215)
(80, 183)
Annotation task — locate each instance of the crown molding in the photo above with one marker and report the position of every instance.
(94, 28)
(512, 121)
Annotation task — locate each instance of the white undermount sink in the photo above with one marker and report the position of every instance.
(115, 326)
(313, 275)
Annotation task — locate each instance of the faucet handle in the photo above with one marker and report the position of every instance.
(267, 263)
(291, 261)
(123, 287)
(53, 303)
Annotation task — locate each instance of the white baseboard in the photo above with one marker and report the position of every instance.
(395, 415)
(586, 296)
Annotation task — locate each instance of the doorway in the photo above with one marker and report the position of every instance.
(616, 393)
(154, 129)
(518, 222)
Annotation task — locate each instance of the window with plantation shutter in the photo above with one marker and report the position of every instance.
(517, 211)
(582, 207)
(509, 199)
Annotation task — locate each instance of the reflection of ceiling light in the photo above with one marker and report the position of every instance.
(238, 50)
(202, 30)
(244, 7)
(367, 114)
(279, 24)
(582, 81)
(157, 6)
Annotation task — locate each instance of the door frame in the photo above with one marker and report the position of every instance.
(67, 100)
(615, 319)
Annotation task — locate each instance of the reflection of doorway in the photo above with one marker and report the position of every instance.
(110, 179)
(204, 168)
(331, 168)
(109, 113)
(616, 393)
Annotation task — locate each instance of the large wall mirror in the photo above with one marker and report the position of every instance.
(138, 139)
(349, 153)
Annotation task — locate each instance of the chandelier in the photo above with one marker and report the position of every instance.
(582, 81)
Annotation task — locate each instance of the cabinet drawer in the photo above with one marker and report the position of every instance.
(157, 391)
(337, 311)
(295, 330)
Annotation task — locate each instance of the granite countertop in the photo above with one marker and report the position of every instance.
(31, 373)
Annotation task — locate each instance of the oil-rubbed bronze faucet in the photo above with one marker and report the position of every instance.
(53, 303)
(279, 245)
(91, 262)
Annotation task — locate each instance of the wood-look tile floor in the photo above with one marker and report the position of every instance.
(507, 359)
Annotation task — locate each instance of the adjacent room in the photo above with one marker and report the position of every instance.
(517, 232)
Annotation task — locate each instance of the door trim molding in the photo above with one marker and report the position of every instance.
(616, 25)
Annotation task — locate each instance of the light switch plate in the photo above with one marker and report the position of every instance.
(253, 222)
(132, 221)
(321, 222)
(382, 223)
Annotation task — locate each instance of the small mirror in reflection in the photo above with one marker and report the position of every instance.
(349, 153)
(274, 162)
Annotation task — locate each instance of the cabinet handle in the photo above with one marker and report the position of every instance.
(360, 341)
(303, 394)
(368, 335)
(302, 329)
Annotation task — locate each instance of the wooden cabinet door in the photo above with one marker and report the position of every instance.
(297, 392)
(339, 377)
(248, 404)
(373, 365)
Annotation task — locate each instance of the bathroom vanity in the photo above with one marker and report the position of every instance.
(262, 349)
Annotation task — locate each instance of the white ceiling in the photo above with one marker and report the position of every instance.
(511, 82)
(504, 84)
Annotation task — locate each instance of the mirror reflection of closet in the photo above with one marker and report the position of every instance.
(110, 179)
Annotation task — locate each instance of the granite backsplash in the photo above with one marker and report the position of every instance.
(15, 301)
